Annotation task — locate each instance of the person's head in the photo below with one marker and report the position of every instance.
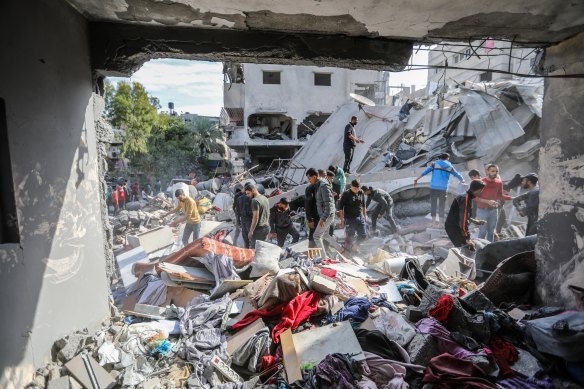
(474, 174)
(492, 171)
(529, 181)
(367, 189)
(330, 175)
(180, 194)
(353, 120)
(355, 186)
(476, 187)
(321, 173)
(312, 175)
(444, 156)
(251, 190)
(333, 169)
(283, 204)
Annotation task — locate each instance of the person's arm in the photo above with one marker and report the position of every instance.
(272, 220)
(457, 175)
(343, 182)
(382, 201)
(254, 220)
(341, 208)
(175, 210)
(426, 171)
(364, 210)
(327, 199)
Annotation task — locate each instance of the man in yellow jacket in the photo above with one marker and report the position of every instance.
(191, 216)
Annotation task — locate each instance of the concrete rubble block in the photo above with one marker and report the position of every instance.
(60, 383)
(133, 217)
(477, 300)
(69, 346)
(422, 348)
(436, 233)
(152, 383)
(152, 240)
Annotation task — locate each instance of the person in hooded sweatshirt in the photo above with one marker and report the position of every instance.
(460, 216)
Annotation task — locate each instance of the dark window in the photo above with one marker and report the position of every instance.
(486, 76)
(271, 77)
(8, 219)
(322, 79)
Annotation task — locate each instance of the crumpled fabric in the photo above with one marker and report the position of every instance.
(505, 354)
(356, 309)
(336, 371)
(394, 326)
(221, 266)
(250, 353)
(384, 373)
(518, 382)
(445, 343)
(446, 371)
(442, 309)
(201, 337)
(375, 342)
(292, 314)
(282, 289)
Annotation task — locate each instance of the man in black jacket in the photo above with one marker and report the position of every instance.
(460, 215)
(353, 214)
(312, 217)
(384, 207)
(238, 194)
(245, 216)
(281, 223)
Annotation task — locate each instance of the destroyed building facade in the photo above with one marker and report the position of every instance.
(55, 259)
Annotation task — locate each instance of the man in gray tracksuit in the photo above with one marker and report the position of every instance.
(384, 207)
(325, 206)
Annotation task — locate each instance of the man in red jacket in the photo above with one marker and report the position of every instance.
(489, 201)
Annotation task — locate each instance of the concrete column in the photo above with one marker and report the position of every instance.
(559, 248)
(294, 130)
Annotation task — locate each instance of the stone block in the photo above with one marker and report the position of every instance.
(69, 346)
(60, 383)
(478, 301)
(152, 240)
(422, 348)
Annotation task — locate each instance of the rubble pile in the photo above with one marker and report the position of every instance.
(398, 312)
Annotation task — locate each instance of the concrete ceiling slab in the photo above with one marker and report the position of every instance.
(542, 21)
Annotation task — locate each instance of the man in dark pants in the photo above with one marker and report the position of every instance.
(260, 222)
(312, 217)
(245, 217)
(460, 215)
(384, 207)
(349, 143)
(238, 194)
(531, 200)
(353, 214)
(281, 223)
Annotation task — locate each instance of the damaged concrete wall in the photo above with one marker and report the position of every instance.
(560, 246)
(54, 281)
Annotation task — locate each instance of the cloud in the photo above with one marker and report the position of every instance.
(193, 86)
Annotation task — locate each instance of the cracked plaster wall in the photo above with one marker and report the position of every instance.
(560, 246)
(54, 282)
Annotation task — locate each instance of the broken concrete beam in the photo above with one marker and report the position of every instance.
(422, 348)
(152, 240)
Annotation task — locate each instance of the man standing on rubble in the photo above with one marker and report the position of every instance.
(349, 143)
(281, 223)
(489, 201)
(260, 223)
(460, 215)
(531, 200)
(384, 207)
(325, 206)
(191, 216)
(121, 196)
(245, 213)
(312, 217)
(441, 170)
(353, 214)
(238, 194)
(339, 181)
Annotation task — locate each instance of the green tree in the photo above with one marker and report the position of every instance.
(130, 108)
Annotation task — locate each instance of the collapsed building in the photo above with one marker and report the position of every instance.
(56, 246)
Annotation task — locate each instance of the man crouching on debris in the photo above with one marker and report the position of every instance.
(281, 223)
(384, 207)
(191, 216)
(353, 214)
(260, 222)
(460, 215)
(325, 207)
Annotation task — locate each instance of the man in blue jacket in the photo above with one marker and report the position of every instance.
(441, 170)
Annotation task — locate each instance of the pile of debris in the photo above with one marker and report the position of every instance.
(402, 311)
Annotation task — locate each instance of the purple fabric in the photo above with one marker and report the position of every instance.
(445, 343)
(334, 372)
(384, 373)
(525, 383)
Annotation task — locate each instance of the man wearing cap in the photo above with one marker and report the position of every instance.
(528, 203)
(325, 206)
(260, 223)
(191, 216)
(441, 170)
(460, 215)
(281, 223)
(353, 214)
(349, 143)
(384, 207)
